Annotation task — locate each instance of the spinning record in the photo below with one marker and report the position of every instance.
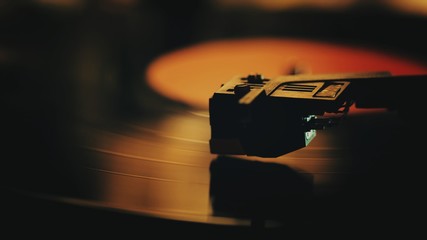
(160, 166)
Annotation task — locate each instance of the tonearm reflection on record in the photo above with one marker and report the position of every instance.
(258, 116)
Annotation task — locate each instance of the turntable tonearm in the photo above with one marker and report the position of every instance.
(264, 117)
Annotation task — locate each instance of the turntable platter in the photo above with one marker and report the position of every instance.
(161, 166)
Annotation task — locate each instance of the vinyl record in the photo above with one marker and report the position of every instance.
(161, 166)
(80, 150)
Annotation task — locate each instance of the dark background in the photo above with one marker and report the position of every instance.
(68, 63)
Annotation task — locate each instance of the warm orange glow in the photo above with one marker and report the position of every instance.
(286, 4)
(193, 74)
(159, 168)
(410, 6)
